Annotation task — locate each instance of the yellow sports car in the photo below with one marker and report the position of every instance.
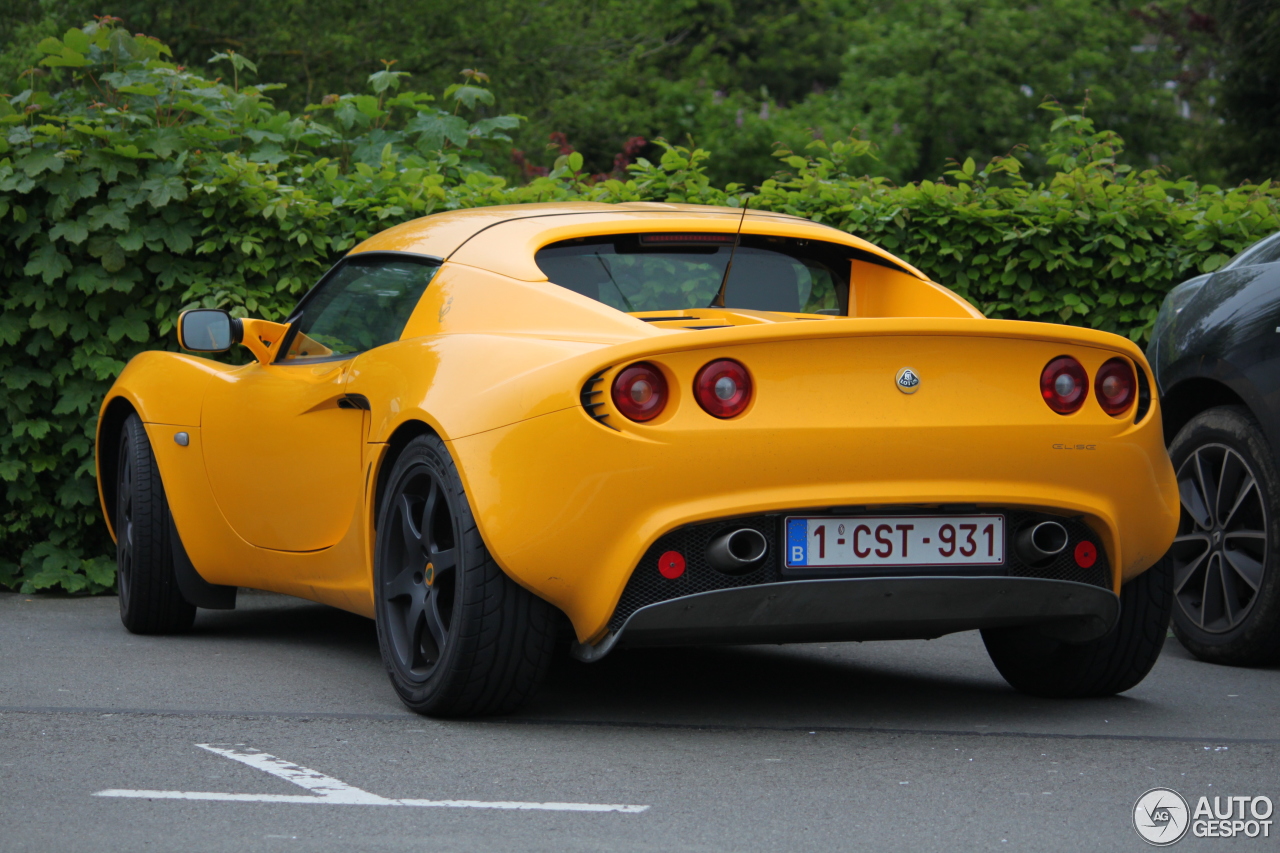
(646, 424)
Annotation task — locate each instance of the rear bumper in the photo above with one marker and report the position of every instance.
(845, 609)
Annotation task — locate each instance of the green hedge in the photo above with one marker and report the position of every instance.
(131, 188)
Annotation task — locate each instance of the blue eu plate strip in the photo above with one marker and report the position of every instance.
(797, 541)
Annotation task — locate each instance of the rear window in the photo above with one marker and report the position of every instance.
(672, 272)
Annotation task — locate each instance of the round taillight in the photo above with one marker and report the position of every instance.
(1114, 386)
(723, 388)
(1064, 385)
(640, 392)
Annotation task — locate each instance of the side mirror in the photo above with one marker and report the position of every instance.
(208, 330)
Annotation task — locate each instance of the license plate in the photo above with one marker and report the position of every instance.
(920, 540)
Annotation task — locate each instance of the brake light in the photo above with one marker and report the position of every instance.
(640, 392)
(1114, 386)
(1064, 385)
(723, 388)
(685, 239)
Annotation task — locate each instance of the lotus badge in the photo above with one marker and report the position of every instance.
(908, 381)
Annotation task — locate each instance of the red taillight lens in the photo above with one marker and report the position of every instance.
(1114, 386)
(723, 388)
(640, 392)
(1064, 385)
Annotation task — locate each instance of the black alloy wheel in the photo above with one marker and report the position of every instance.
(458, 637)
(419, 561)
(1221, 547)
(1226, 588)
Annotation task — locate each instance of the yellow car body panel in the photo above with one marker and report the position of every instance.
(276, 488)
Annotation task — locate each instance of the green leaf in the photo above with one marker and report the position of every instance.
(61, 55)
(1213, 262)
(11, 328)
(78, 398)
(71, 230)
(149, 90)
(132, 152)
(434, 130)
(103, 216)
(41, 161)
(162, 190)
(130, 241)
(77, 40)
(48, 263)
(131, 324)
(468, 95)
(487, 128)
(380, 81)
(100, 571)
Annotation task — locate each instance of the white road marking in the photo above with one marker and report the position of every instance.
(330, 789)
(327, 790)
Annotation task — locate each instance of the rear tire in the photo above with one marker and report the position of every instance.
(458, 637)
(1042, 666)
(1226, 582)
(150, 602)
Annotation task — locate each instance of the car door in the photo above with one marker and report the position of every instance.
(283, 441)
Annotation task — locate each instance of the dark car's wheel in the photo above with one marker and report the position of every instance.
(150, 601)
(1226, 586)
(458, 636)
(1035, 663)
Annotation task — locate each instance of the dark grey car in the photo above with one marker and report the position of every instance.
(1215, 350)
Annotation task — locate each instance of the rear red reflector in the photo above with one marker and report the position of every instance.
(685, 239)
(723, 388)
(671, 565)
(1086, 555)
(1114, 386)
(1064, 385)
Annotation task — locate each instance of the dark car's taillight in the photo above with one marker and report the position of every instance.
(640, 392)
(1064, 385)
(723, 388)
(1115, 386)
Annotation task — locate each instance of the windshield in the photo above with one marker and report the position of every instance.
(672, 272)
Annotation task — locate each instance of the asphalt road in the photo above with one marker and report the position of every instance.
(910, 746)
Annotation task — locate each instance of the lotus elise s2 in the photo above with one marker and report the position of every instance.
(503, 430)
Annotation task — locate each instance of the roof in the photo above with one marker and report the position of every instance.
(504, 239)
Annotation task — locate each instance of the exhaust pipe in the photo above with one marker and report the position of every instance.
(737, 552)
(1041, 541)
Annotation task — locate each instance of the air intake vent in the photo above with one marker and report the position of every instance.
(592, 388)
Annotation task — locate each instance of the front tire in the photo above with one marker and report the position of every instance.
(150, 601)
(458, 637)
(1035, 663)
(1226, 583)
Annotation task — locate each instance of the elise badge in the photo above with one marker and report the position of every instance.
(908, 381)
